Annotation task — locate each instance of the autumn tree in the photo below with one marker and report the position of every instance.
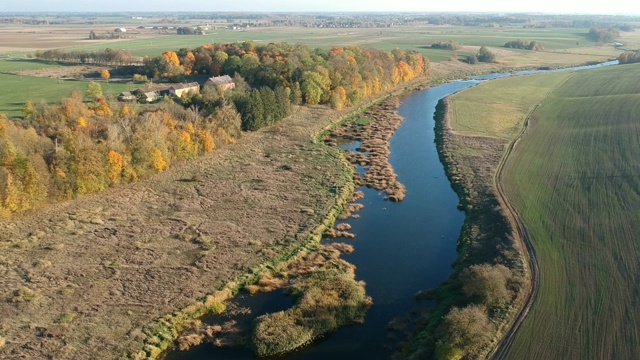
(28, 110)
(115, 164)
(105, 75)
(94, 91)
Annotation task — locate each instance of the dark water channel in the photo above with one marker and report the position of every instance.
(400, 248)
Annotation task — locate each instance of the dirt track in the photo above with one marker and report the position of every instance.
(80, 279)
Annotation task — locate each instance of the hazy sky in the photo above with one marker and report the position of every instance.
(626, 7)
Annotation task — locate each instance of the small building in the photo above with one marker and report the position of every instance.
(126, 96)
(224, 82)
(179, 90)
(149, 97)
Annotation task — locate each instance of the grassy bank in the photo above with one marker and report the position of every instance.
(474, 128)
(574, 180)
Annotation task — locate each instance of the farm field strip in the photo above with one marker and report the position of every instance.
(575, 180)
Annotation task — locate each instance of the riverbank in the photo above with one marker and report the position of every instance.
(487, 239)
(493, 237)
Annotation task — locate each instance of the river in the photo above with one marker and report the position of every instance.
(400, 248)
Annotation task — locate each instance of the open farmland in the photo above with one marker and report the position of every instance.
(575, 180)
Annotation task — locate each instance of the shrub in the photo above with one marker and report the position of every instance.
(487, 284)
(327, 300)
(484, 55)
(464, 333)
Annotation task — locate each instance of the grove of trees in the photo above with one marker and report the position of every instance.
(104, 57)
(446, 45)
(59, 151)
(603, 35)
(277, 75)
(524, 44)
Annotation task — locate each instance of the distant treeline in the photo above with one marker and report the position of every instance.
(525, 44)
(603, 35)
(104, 57)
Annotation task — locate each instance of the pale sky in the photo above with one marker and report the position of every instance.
(624, 7)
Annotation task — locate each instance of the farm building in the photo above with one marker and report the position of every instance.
(149, 97)
(178, 90)
(221, 82)
(126, 96)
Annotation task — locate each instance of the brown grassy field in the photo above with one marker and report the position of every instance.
(82, 279)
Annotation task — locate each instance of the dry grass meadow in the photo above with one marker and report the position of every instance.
(81, 279)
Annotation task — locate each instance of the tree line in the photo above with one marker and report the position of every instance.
(446, 45)
(270, 78)
(103, 57)
(341, 76)
(524, 44)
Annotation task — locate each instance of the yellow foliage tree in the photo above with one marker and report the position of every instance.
(105, 75)
(188, 61)
(103, 107)
(81, 123)
(115, 166)
(158, 161)
(402, 72)
(207, 141)
(10, 192)
(125, 110)
(171, 57)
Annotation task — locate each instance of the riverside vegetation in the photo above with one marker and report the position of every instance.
(490, 280)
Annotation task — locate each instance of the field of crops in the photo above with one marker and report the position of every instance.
(575, 180)
(497, 108)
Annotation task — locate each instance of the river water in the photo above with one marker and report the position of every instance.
(400, 248)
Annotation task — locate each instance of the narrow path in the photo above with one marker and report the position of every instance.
(527, 247)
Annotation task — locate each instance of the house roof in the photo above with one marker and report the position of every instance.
(220, 80)
(125, 94)
(185, 86)
(151, 94)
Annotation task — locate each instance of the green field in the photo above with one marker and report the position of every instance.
(497, 108)
(415, 38)
(575, 179)
(17, 90)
